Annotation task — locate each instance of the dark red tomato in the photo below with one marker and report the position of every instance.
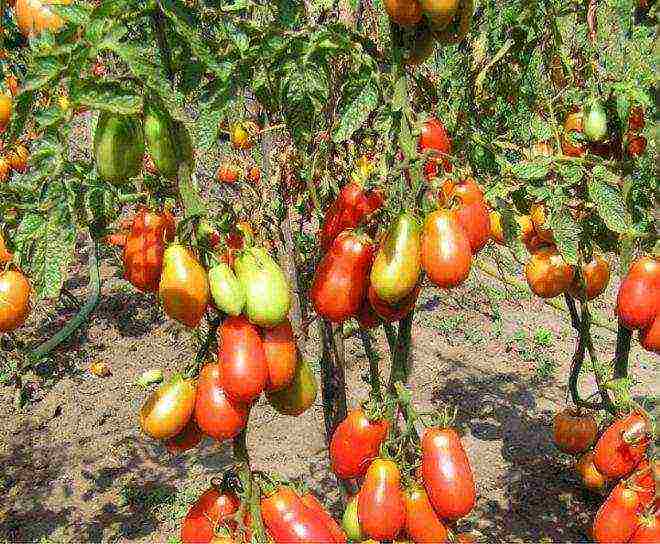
(367, 316)
(649, 337)
(422, 523)
(393, 312)
(636, 145)
(434, 136)
(648, 530)
(281, 355)
(475, 220)
(144, 248)
(215, 414)
(616, 519)
(289, 521)
(574, 432)
(638, 301)
(447, 473)
(342, 277)
(243, 367)
(210, 510)
(613, 456)
(355, 444)
(188, 438)
(311, 502)
(381, 510)
(636, 119)
(446, 253)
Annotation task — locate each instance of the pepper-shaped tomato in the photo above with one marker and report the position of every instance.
(644, 482)
(342, 277)
(211, 509)
(648, 530)
(422, 523)
(167, 411)
(281, 356)
(381, 509)
(616, 519)
(446, 253)
(243, 367)
(215, 414)
(447, 473)
(355, 444)
(638, 301)
(290, 521)
(144, 248)
(318, 509)
(393, 312)
(621, 446)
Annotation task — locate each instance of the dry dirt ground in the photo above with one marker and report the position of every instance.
(77, 468)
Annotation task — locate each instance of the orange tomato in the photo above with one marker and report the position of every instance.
(14, 300)
(547, 273)
(538, 215)
(596, 276)
(35, 16)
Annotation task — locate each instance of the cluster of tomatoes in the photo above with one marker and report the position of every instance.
(620, 460)
(242, 137)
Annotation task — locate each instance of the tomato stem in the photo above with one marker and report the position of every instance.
(623, 338)
(374, 375)
(334, 379)
(401, 366)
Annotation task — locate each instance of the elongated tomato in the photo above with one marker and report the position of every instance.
(188, 438)
(422, 523)
(447, 473)
(616, 519)
(393, 312)
(210, 509)
(318, 509)
(281, 356)
(475, 220)
(381, 510)
(638, 301)
(615, 458)
(243, 368)
(648, 530)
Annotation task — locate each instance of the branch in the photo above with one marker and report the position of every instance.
(374, 375)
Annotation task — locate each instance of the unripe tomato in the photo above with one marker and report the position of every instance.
(538, 215)
(475, 221)
(648, 530)
(281, 355)
(242, 359)
(6, 107)
(621, 446)
(422, 523)
(355, 444)
(547, 273)
(570, 141)
(215, 414)
(299, 395)
(616, 519)
(638, 300)
(210, 510)
(649, 337)
(596, 276)
(4, 169)
(188, 438)
(381, 510)
(167, 411)
(350, 522)
(595, 121)
(591, 478)
(404, 12)
(227, 173)
(573, 432)
(313, 504)
(446, 252)
(14, 300)
(447, 473)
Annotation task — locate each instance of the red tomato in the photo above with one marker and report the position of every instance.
(367, 316)
(355, 444)
(574, 433)
(281, 355)
(342, 277)
(214, 413)
(188, 438)
(648, 530)
(616, 519)
(381, 510)
(289, 521)
(422, 523)
(393, 312)
(466, 191)
(447, 473)
(644, 482)
(311, 502)
(434, 136)
(649, 337)
(638, 301)
(612, 456)
(475, 220)
(446, 254)
(227, 173)
(211, 509)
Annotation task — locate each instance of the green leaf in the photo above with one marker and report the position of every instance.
(608, 200)
(107, 97)
(531, 170)
(566, 233)
(46, 69)
(78, 14)
(49, 117)
(511, 232)
(192, 201)
(356, 113)
(400, 96)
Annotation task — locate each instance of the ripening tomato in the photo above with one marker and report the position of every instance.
(434, 137)
(168, 410)
(35, 16)
(5, 255)
(215, 414)
(311, 502)
(440, 12)
(621, 446)
(227, 173)
(422, 523)
(591, 478)
(299, 395)
(616, 519)
(447, 473)
(572, 140)
(596, 276)
(547, 273)
(281, 355)
(242, 134)
(649, 338)
(14, 300)
(404, 12)
(98, 69)
(446, 253)
(210, 510)
(648, 530)
(381, 509)
(254, 175)
(144, 248)
(466, 191)
(12, 84)
(636, 145)
(188, 438)
(638, 301)
(350, 522)
(393, 312)
(18, 158)
(288, 520)
(342, 277)
(636, 119)
(574, 432)
(5, 168)
(539, 216)
(355, 444)
(243, 367)
(475, 221)
(525, 226)
(6, 107)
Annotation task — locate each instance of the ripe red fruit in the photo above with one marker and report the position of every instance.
(381, 509)
(638, 301)
(621, 446)
(210, 509)
(616, 519)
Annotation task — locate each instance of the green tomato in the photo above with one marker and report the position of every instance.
(350, 521)
(118, 147)
(227, 292)
(299, 395)
(595, 121)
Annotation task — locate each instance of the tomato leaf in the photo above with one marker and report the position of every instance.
(531, 170)
(608, 200)
(356, 113)
(566, 233)
(44, 72)
(107, 97)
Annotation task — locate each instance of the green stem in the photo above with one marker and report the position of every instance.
(251, 489)
(81, 317)
(391, 335)
(334, 379)
(158, 20)
(401, 365)
(132, 198)
(374, 375)
(623, 337)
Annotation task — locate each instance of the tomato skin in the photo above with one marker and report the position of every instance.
(215, 414)
(350, 522)
(638, 301)
(168, 409)
(243, 367)
(281, 355)
(636, 145)
(422, 523)
(644, 481)
(434, 136)
(446, 253)
(6, 107)
(475, 221)
(342, 277)
(144, 248)
(616, 519)
(227, 173)
(35, 16)
(649, 337)
(612, 456)
(14, 300)
(311, 502)
(208, 511)
(189, 437)
(596, 276)
(572, 127)
(393, 312)
(466, 191)
(648, 531)
(290, 521)
(299, 395)
(381, 510)
(547, 273)
(447, 473)
(574, 433)
(591, 478)
(404, 12)
(5, 255)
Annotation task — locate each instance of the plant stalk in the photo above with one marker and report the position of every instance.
(374, 374)
(251, 488)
